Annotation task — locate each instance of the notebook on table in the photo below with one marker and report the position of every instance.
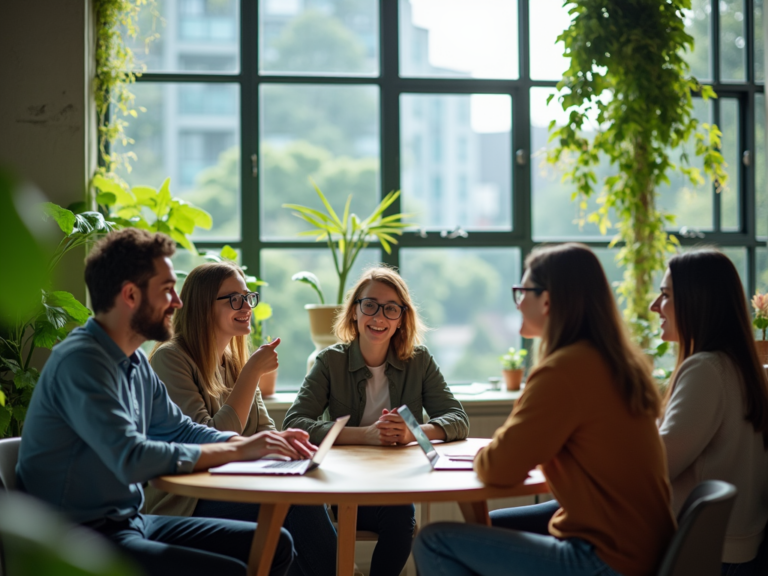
(437, 461)
(290, 467)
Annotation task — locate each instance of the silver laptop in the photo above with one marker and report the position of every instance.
(292, 467)
(437, 461)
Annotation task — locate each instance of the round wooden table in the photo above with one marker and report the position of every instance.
(351, 476)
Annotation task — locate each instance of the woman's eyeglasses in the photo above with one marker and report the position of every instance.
(370, 307)
(519, 291)
(236, 300)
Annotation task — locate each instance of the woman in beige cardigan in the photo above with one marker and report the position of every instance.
(211, 376)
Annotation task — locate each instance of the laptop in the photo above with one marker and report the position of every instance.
(437, 461)
(290, 467)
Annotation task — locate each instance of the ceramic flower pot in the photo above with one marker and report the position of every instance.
(513, 378)
(268, 384)
(321, 319)
(762, 350)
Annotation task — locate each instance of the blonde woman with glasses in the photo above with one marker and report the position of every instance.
(379, 366)
(212, 376)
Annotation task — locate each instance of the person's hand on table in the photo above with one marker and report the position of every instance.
(392, 428)
(299, 439)
(292, 443)
(372, 436)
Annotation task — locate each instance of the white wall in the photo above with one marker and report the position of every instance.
(47, 121)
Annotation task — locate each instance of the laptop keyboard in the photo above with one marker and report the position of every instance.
(287, 465)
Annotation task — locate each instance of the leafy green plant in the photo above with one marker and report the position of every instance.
(116, 70)
(37, 540)
(348, 235)
(55, 316)
(151, 209)
(628, 79)
(513, 359)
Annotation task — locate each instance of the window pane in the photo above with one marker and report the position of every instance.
(198, 35)
(761, 265)
(289, 319)
(691, 205)
(698, 25)
(319, 37)
(733, 40)
(729, 201)
(458, 39)
(472, 315)
(456, 160)
(759, 46)
(548, 20)
(761, 184)
(739, 258)
(327, 133)
(191, 133)
(555, 215)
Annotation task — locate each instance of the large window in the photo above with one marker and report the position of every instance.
(246, 101)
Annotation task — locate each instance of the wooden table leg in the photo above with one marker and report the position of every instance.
(475, 512)
(271, 517)
(345, 554)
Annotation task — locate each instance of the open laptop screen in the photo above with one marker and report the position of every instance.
(418, 433)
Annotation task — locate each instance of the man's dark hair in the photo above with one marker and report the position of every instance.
(124, 256)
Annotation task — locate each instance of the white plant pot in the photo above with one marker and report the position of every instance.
(321, 319)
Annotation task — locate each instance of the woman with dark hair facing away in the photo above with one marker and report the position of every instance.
(587, 417)
(715, 423)
(211, 375)
(378, 367)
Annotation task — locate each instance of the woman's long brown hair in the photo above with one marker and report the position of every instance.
(193, 326)
(582, 307)
(711, 315)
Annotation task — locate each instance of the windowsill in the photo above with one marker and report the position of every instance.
(477, 395)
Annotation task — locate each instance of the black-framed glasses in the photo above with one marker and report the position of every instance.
(519, 291)
(370, 307)
(236, 300)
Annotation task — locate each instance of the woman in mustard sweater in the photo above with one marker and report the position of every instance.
(587, 417)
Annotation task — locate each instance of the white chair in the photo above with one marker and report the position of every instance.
(9, 455)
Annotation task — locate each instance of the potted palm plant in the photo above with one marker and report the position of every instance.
(345, 237)
(512, 363)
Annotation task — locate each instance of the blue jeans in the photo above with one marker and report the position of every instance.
(454, 549)
(163, 545)
(395, 526)
(311, 529)
(533, 518)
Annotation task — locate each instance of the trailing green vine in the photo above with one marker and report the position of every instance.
(116, 70)
(628, 79)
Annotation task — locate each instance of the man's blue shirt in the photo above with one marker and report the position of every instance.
(99, 425)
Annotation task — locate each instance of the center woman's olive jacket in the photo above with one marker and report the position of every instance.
(338, 380)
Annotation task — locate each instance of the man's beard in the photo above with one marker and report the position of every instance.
(144, 324)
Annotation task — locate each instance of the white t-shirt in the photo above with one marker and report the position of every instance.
(376, 395)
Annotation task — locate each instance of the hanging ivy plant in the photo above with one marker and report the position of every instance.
(116, 70)
(627, 77)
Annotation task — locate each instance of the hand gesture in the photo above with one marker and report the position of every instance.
(263, 360)
(392, 428)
